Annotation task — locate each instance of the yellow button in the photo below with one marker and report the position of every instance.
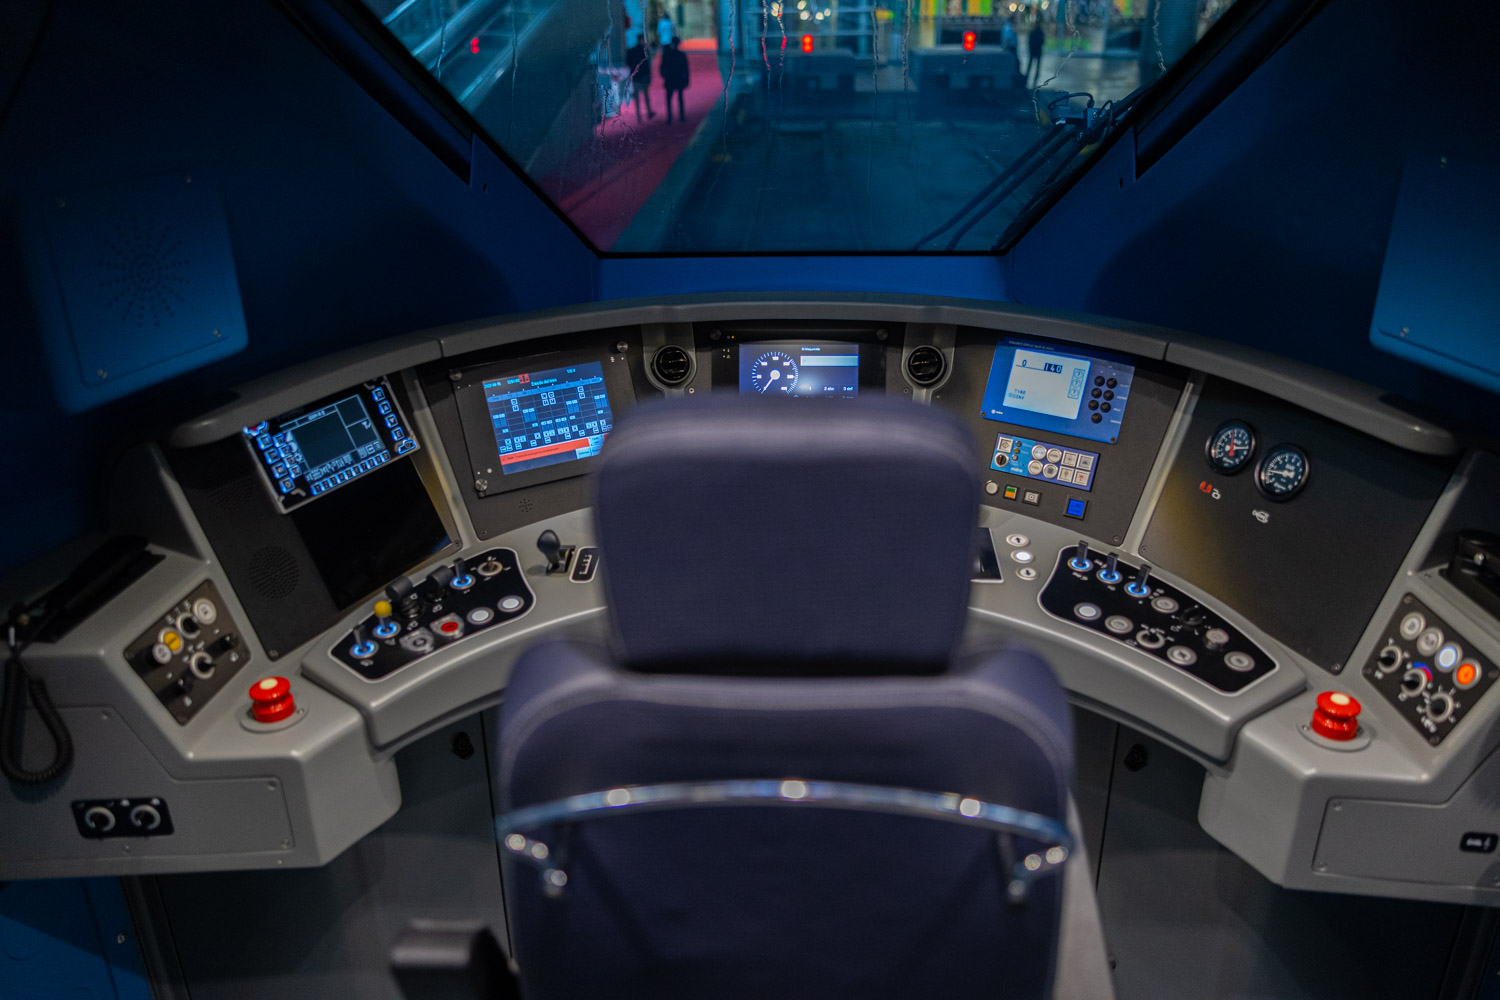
(172, 640)
(382, 609)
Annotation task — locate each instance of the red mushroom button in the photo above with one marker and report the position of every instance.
(271, 699)
(1337, 716)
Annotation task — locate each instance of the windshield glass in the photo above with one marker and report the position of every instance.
(743, 126)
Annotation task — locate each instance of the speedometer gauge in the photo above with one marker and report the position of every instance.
(1230, 447)
(774, 372)
(1283, 472)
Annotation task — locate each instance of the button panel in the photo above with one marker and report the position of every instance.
(439, 613)
(1040, 460)
(1161, 622)
(1426, 671)
(189, 653)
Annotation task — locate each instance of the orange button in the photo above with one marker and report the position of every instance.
(1467, 674)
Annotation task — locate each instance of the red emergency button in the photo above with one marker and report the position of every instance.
(449, 628)
(1337, 716)
(271, 699)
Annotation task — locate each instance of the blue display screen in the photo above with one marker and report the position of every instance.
(1062, 390)
(548, 417)
(802, 369)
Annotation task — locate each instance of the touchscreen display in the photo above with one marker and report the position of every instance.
(1035, 384)
(312, 451)
(804, 369)
(548, 417)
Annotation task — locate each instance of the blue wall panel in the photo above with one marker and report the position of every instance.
(343, 226)
(68, 939)
(979, 277)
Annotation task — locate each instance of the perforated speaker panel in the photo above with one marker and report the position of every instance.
(133, 282)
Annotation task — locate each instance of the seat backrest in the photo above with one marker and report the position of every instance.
(760, 900)
(788, 535)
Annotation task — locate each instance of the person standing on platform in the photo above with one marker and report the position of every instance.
(639, 61)
(1008, 40)
(674, 76)
(1035, 42)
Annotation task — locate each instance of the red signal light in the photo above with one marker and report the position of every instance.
(969, 40)
(474, 45)
(807, 43)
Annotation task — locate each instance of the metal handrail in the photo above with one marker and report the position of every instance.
(949, 807)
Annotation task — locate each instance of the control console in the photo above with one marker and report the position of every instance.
(1124, 603)
(453, 601)
(192, 650)
(1426, 671)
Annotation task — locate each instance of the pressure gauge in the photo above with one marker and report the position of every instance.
(1283, 472)
(1230, 448)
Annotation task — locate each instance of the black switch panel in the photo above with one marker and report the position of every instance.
(103, 819)
(1426, 670)
(1162, 622)
(440, 610)
(190, 653)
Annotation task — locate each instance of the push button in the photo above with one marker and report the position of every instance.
(1337, 716)
(271, 699)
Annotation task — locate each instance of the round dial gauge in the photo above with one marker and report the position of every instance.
(1231, 447)
(774, 372)
(1283, 472)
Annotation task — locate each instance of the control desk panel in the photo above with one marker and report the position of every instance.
(1166, 533)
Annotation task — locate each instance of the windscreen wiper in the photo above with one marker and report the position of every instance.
(1097, 124)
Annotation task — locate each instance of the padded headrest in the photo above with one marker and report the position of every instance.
(745, 535)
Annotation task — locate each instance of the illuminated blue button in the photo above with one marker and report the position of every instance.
(397, 433)
(264, 441)
(1076, 507)
(405, 446)
(386, 629)
(280, 438)
(286, 485)
(379, 393)
(390, 421)
(362, 650)
(271, 457)
(317, 488)
(278, 470)
(1448, 656)
(385, 407)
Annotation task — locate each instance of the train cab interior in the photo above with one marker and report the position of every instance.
(862, 498)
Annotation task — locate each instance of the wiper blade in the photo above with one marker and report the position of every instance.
(1097, 127)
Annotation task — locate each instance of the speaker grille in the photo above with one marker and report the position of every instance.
(273, 572)
(671, 365)
(142, 271)
(925, 365)
(234, 494)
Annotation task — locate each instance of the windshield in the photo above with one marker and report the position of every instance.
(744, 126)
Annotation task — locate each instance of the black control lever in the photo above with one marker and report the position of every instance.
(1140, 586)
(1081, 561)
(403, 595)
(551, 546)
(441, 576)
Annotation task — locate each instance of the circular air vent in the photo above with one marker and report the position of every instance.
(671, 365)
(925, 365)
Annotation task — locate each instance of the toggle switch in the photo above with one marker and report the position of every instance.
(385, 628)
(1141, 585)
(1110, 574)
(462, 578)
(1081, 561)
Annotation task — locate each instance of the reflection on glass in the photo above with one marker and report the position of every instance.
(741, 126)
